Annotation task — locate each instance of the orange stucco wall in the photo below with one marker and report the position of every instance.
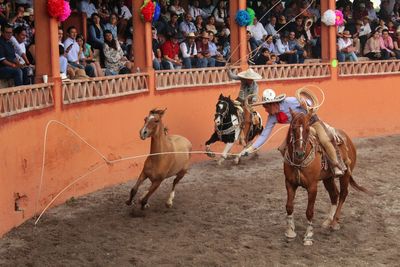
(361, 106)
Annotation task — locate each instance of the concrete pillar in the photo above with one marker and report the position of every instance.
(46, 43)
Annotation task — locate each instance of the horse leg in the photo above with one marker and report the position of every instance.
(135, 188)
(312, 195)
(224, 155)
(291, 192)
(171, 197)
(153, 187)
(344, 186)
(331, 187)
(214, 138)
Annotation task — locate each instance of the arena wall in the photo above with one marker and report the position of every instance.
(361, 106)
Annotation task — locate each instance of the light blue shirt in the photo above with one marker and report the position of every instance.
(288, 102)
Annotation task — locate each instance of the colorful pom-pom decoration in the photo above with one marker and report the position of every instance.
(147, 10)
(242, 18)
(58, 9)
(157, 12)
(339, 18)
(329, 18)
(252, 15)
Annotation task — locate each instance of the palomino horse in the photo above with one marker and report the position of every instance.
(161, 166)
(303, 166)
(232, 124)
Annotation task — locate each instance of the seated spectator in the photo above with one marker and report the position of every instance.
(208, 8)
(157, 55)
(382, 25)
(210, 26)
(357, 38)
(391, 29)
(103, 10)
(112, 25)
(18, 19)
(269, 44)
(195, 10)
(258, 31)
(213, 49)
(292, 10)
(396, 44)
(387, 46)
(172, 27)
(71, 48)
(86, 6)
(170, 51)
(203, 53)
(263, 58)
(315, 10)
(96, 37)
(199, 24)
(366, 29)
(294, 45)
(124, 15)
(114, 59)
(372, 48)
(220, 14)
(280, 25)
(189, 51)
(187, 26)
(371, 12)
(18, 43)
(251, 47)
(345, 48)
(283, 50)
(63, 60)
(270, 28)
(177, 8)
(29, 18)
(86, 56)
(60, 37)
(360, 12)
(10, 68)
(5, 10)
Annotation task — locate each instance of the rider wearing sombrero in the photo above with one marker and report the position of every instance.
(278, 110)
(248, 85)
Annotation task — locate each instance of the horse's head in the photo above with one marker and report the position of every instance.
(222, 109)
(298, 134)
(151, 123)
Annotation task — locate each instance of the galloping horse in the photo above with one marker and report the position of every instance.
(306, 164)
(159, 167)
(232, 124)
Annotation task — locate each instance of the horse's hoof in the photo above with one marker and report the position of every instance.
(168, 204)
(327, 223)
(219, 162)
(290, 234)
(308, 243)
(128, 202)
(335, 226)
(145, 206)
(237, 160)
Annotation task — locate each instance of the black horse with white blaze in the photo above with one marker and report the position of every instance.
(229, 123)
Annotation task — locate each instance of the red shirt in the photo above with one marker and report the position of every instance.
(170, 49)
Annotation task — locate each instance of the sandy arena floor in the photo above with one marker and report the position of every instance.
(222, 216)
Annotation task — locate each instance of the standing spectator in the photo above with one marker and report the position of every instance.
(387, 45)
(346, 48)
(96, 37)
(189, 51)
(210, 26)
(10, 68)
(115, 62)
(86, 6)
(208, 8)
(372, 48)
(270, 28)
(187, 26)
(203, 52)
(257, 31)
(86, 56)
(170, 51)
(71, 48)
(220, 14)
(172, 26)
(112, 25)
(195, 10)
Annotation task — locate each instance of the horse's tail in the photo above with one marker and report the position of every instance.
(358, 187)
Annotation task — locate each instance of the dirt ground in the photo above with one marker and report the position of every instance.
(222, 216)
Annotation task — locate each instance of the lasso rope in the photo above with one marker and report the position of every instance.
(105, 161)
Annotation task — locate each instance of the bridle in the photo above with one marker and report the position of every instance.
(223, 115)
(225, 112)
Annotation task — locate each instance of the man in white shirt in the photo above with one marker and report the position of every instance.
(270, 27)
(257, 31)
(86, 6)
(346, 50)
(189, 51)
(123, 11)
(371, 12)
(18, 41)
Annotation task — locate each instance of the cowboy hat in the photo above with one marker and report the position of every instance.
(205, 35)
(269, 96)
(249, 75)
(347, 34)
(191, 35)
(309, 22)
(28, 12)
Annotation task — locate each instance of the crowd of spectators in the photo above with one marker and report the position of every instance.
(196, 35)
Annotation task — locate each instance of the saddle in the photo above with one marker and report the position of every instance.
(256, 124)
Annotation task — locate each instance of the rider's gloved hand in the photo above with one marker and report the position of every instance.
(245, 152)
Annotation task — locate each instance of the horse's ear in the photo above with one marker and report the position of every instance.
(162, 111)
(221, 96)
(292, 113)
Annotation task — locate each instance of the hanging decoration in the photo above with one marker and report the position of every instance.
(58, 9)
(243, 18)
(147, 10)
(252, 15)
(329, 18)
(339, 18)
(157, 11)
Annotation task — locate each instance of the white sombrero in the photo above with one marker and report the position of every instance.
(269, 96)
(249, 75)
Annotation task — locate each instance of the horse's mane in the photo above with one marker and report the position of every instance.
(232, 107)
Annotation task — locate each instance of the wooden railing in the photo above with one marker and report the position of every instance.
(15, 100)
(167, 79)
(368, 68)
(75, 91)
(293, 71)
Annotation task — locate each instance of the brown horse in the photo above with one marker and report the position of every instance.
(303, 166)
(161, 166)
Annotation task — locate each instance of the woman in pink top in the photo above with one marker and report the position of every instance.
(397, 44)
(387, 46)
(372, 48)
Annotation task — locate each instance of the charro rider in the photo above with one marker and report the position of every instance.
(248, 85)
(278, 112)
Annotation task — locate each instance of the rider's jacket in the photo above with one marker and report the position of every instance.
(245, 89)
